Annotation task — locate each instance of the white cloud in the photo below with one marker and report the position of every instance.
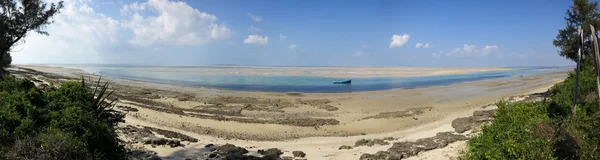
(81, 34)
(488, 49)
(255, 38)
(427, 45)
(364, 46)
(399, 40)
(176, 23)
(78, 33)
(253, 29)
(293, 47)
(282, 37)
(468, 50)
(255, 18)
(419, 45)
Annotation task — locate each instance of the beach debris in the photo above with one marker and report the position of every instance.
(298, 154)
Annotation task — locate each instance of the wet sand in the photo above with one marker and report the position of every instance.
(316, 123)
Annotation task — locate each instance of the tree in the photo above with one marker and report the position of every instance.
(6, 60)
(581, 13)
(18, 20)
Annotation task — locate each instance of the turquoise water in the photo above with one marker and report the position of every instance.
(301, 83)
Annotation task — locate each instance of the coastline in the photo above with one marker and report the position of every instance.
(325, 71)
(255, 118)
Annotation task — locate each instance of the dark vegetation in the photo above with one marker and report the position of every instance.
(16, 21)
(73, 121)
(549, 129)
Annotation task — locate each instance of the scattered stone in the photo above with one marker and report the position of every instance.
(298, 154)
(270, 154)
(400, 114)
(406, 149)
(389, 138)
(127, 108)
(370, 143)
(156, 141)
(287, 158)
(142, 154)
(172, 134)
(209, 145)
(345, 147)
(231, 151)
(212, 155)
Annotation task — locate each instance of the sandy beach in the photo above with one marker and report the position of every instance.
(336, 72)
(315, 123)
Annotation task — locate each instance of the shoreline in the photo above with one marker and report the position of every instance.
(326, 72)
(303, 121)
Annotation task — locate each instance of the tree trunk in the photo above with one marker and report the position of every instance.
(596, 59)
(2, 67)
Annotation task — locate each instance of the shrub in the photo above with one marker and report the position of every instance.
(57, 124)
(513, 134)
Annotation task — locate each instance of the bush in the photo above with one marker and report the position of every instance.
(513, 134)
(71, 122)
(545, 130)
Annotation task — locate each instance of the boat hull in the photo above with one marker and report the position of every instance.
(343, 82)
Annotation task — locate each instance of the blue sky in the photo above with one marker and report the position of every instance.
(307, 32)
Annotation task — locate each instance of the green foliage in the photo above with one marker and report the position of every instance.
(18, 20)
(582, 13)
(72, 114)
(513, 134)
(545, 130)
(51, 144)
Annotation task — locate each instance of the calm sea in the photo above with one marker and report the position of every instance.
(281, 83)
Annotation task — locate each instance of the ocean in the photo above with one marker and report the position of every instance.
(295, 83)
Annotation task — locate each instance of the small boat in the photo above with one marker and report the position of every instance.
(343, 82)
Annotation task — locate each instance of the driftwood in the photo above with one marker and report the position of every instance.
(594, 38)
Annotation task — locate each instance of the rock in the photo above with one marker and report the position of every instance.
(381, 155)
(142, 155)
(464, 124)
(361, 142)
(287, 158)
(365, 142)
(270, 154)
(345, 147)
(209, 145)
(389, 138)
(298, 154)
(172, 134)
(230, 151)
(212, 155)
(174, 143)
(156, 141)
